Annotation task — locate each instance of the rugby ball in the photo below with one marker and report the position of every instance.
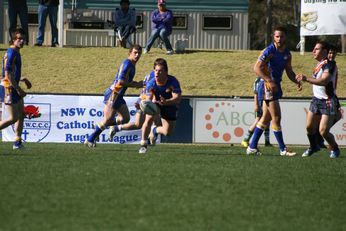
(148, 107)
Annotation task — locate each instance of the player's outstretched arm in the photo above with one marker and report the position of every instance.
(14, 84)
(289, 71)
(26, 82)
(323, 81)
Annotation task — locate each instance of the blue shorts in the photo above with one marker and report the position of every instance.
(168, 112)
(14, 95)
(119, 101)
(324, 106)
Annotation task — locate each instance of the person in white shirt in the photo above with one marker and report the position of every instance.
(324, 105)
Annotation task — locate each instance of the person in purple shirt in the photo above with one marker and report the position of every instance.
(161, 25)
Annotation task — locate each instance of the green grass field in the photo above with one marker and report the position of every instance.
(172, 187)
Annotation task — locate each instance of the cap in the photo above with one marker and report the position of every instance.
(161, 2)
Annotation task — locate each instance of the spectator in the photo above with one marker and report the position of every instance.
(125, 21)
(15, 8)
(47, 8)
(161, 26)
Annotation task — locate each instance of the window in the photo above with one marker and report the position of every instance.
(180, 21)
(217, 22)
(139, 21)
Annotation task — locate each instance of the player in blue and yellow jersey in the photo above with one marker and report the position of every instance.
(10, 91)
(258, 89)
(270, 66)
(114, 95)
(139, 114)
(165, 91)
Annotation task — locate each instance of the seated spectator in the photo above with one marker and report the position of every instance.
(161, 26)
(125, 21)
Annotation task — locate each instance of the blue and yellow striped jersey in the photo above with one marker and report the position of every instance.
(275, 61)
(126, 72)
(11, 62)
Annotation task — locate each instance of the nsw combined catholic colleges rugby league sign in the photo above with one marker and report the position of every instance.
(67, 119)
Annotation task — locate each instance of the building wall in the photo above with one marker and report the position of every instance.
(194, 36)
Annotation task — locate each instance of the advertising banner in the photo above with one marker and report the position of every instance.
(322, 17)
(67, 119)
(227, 121)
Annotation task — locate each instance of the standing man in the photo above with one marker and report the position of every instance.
(47, 8)
(270, 66)
(125, 21)
(114, 95)
(324, 105)
(161, 26)
(165, 91)
(10, 92)
(18, 8)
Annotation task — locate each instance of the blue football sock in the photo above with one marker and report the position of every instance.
(255, 137)
(96, 133)
(280, 139)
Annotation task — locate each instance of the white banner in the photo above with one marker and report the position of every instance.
(67, 119)
(323, 17)
(227, 121)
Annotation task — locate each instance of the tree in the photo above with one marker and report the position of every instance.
(282, 12)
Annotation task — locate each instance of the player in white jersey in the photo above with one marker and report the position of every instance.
(323, 107)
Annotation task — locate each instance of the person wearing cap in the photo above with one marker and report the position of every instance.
(161, 26)
(125, 21)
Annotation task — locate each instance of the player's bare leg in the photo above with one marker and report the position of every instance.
(11, 118)
(326, 123)
(312, 121)
(145, 132)
(18, 126)
(123, 117)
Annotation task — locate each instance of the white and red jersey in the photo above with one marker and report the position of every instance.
(329, 90)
